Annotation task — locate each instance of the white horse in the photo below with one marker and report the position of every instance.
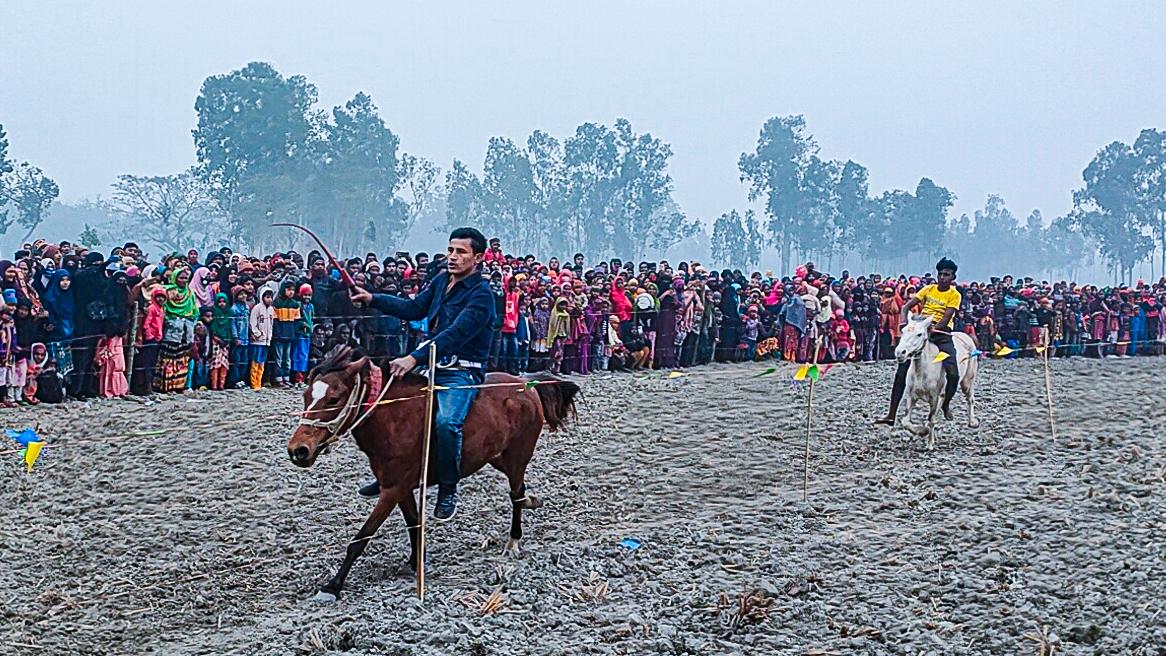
(925, 378)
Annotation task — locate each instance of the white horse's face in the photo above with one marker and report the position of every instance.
(914, 338)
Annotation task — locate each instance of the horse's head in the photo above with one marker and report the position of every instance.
(331, 404)
(914, 338)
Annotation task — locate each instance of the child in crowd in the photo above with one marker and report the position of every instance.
(219, 359)
(752, 330)
(240, 336)
(153, 327)
(318, 346)
(111, 367)
(304, 327)
(286, 315)
(842, 337)
(201, 353)
(37, 361)
(262, 316)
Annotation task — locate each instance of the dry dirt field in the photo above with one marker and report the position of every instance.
(204, 539)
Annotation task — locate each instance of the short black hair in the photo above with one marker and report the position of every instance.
(946, 265)
(477, 239)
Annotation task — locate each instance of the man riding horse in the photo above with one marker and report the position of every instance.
(459, 306)
(940, 302)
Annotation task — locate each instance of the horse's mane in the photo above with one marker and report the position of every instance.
(341, 356)
(337, 359)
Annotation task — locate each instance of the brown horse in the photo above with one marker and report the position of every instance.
(501, 429)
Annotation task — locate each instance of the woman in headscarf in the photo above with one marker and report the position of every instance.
(92, 290)
(621, 305)
(43, 274)
(890, 311)
(668, 338)
(200, 285)
(688, 322)
(578, 347)
(558, 332)
(730, 307)
(59, 304)
(649, 319)
(793, 321)
(181, 312)
(8, 274)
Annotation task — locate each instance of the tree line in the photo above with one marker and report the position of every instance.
(266, 152)
(25, 192)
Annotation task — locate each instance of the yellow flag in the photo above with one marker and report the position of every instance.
(1039, 349)
(1004, 350)
(941, 357)
(676, 374)
(802, 371)
(30, 455)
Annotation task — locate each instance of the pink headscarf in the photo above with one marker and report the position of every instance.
(200, 287)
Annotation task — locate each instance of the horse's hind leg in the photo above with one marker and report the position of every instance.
(973, 422)
(519, 501)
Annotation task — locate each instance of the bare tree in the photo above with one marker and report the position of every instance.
(26, 192)
(175, 212)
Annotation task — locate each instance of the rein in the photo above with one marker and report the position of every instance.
(374, 392)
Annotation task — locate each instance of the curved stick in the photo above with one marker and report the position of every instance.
(343, 273)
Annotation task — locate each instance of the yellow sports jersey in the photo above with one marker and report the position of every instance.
(935, 303)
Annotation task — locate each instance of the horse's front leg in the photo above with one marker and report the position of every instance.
(408, 507)
(907, 424)
(928, 428)
(388, 499)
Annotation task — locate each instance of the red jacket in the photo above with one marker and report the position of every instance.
(153, 324)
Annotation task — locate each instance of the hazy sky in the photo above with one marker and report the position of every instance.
(1009, 98)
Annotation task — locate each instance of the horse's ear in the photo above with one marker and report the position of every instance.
(358, 366)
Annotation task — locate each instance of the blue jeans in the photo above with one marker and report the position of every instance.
(452, 407)
(509, 362)
(523, 356)
(282, 353)
(240, 361)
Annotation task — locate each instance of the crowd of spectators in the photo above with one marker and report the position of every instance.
(80, 323)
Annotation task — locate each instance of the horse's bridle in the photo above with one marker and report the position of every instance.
(352, 406)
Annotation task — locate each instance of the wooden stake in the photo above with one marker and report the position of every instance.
(1048, 384)
(809, 417)
(425, 472)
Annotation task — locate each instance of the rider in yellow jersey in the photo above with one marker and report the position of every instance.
(940, 302)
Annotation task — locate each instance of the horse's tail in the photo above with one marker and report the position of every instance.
(557, 397)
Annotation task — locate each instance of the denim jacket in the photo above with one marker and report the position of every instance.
(461, 322)
(240, 323)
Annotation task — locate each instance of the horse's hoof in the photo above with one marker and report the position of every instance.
(324, 597)
(531, 502)
(512, 548)
(974, 424)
